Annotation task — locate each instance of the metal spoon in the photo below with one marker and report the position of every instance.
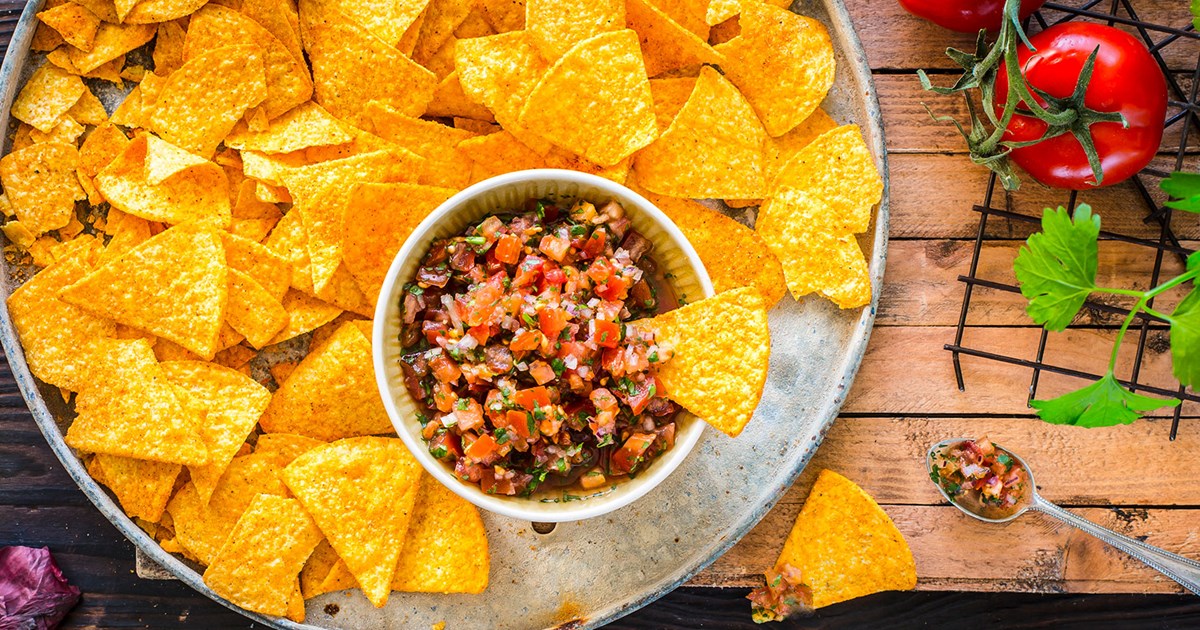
(1183, 570)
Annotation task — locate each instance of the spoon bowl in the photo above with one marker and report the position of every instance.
(1027, 501)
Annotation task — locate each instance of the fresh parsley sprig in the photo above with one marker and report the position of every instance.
(1056, 270)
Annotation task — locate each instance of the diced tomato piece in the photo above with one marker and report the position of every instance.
(469, 418)
(627, 458)
(600, 270)
(531, 398)
(493, 405)
(450, 442)
(617, 288)
(433, 330)
(528, 271)
(490, 227)
(554, 247)
(444, 368)
(518, 421)
(490, 484)
(666, 436)
(606, 334)
(642, 394)
(480, 333)
(552, 320)
(602, 398)
(595, 243)
(609, 310)
(613, 360)
(508, 249)
(541, 372)
(482, 448)
(444, 397)
(526, 340)
(554, 276)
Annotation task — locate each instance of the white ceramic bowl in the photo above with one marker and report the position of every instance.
(673, 254)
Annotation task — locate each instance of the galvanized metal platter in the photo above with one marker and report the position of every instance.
(588, 573)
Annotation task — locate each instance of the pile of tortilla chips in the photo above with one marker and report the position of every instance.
(244, 200)
(843, 546)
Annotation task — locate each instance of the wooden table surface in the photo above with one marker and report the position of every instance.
(1030, 573)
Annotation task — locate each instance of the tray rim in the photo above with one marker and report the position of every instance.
(15, 59)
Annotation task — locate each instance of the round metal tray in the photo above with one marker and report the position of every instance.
(586, 574)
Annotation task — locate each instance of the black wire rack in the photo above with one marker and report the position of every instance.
(1183, 122)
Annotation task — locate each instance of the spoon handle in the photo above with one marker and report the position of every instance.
(1183, 570)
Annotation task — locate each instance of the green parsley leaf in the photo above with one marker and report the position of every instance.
(462, 403)
(1193, 261)
(1196, 13)
(605, 441)
(1184, 187)
(558, 366)
(529, 320)
(531, 424)
(501, 435)
(438, 451)
(1185, 339)
(1057, 267)
(1102, 404)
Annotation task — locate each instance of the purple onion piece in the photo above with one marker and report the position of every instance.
(34, 595)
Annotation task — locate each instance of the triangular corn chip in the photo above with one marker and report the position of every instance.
(47, 95)
(142, 487)
(173, 285)
(360, 492)
(258, 566)
(75, 23)
(232, 403)
(308, 125)
(40, 183)
(111, 43)
(331, 395)
(431, 561)
(372, 240)
(130, 409)
(713, 148)
(845, 545)
(252, 311)
(555, 27)
(720, 375)
(601, 80)
(285, 447)
(155, 11)
(193, 190)
(202, 100)
(666, 44)
(259, 262)
(500, 72)
(305, 313)
(444, 165)
(782, 62)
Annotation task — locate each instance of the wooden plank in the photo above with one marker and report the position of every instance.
(921, 286)
(906, 371)
(1031, 554)
(932, 196)
(895, 40)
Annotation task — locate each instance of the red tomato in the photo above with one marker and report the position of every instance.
(552, 320)
(532, 398)
(508, 248)
(966, 16)
(606, 334)
(1126, 79)
(630, 454)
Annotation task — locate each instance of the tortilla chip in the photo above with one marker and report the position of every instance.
(305, 313)
(836, 167)
(287, 80)
(232, 403)
(431, 561)
(601, 80)
(252, 311)
(722, 10)
(388, 20)
(819, 254)
(351, 68)
(129, 233)
(155, 11)
(373, 240)
(267, 268)
(285, 447)
(444, 165)
(718, 376)
(101, 147)
(782, 62)
(500, 72)
(666, 44)
(669, 97)
(74, 23)
(555, 27)
(168, 48)
(173, 285)
(279, 17)
(332, 393)
(451, 101)
(235, 357)
(112, 41)
(142, 487)
(441, 19)
(845, 545)
(40, 182)
(253, 219)
(193, 190)
(503, 15)
(258, 566)
(45, 39)
(202, 528)
(308, 125)
(66, 132)
(733, 254)
(130, 409)
(47, 95)
(320, 192)
(361, 494)
(476, 127)
(321, 564)
(690, 14)
(88, 110)
(59, 339)
(713, 149)
(202, 100)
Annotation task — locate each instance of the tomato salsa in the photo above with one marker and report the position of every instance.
(980, 477)
(522, 349)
